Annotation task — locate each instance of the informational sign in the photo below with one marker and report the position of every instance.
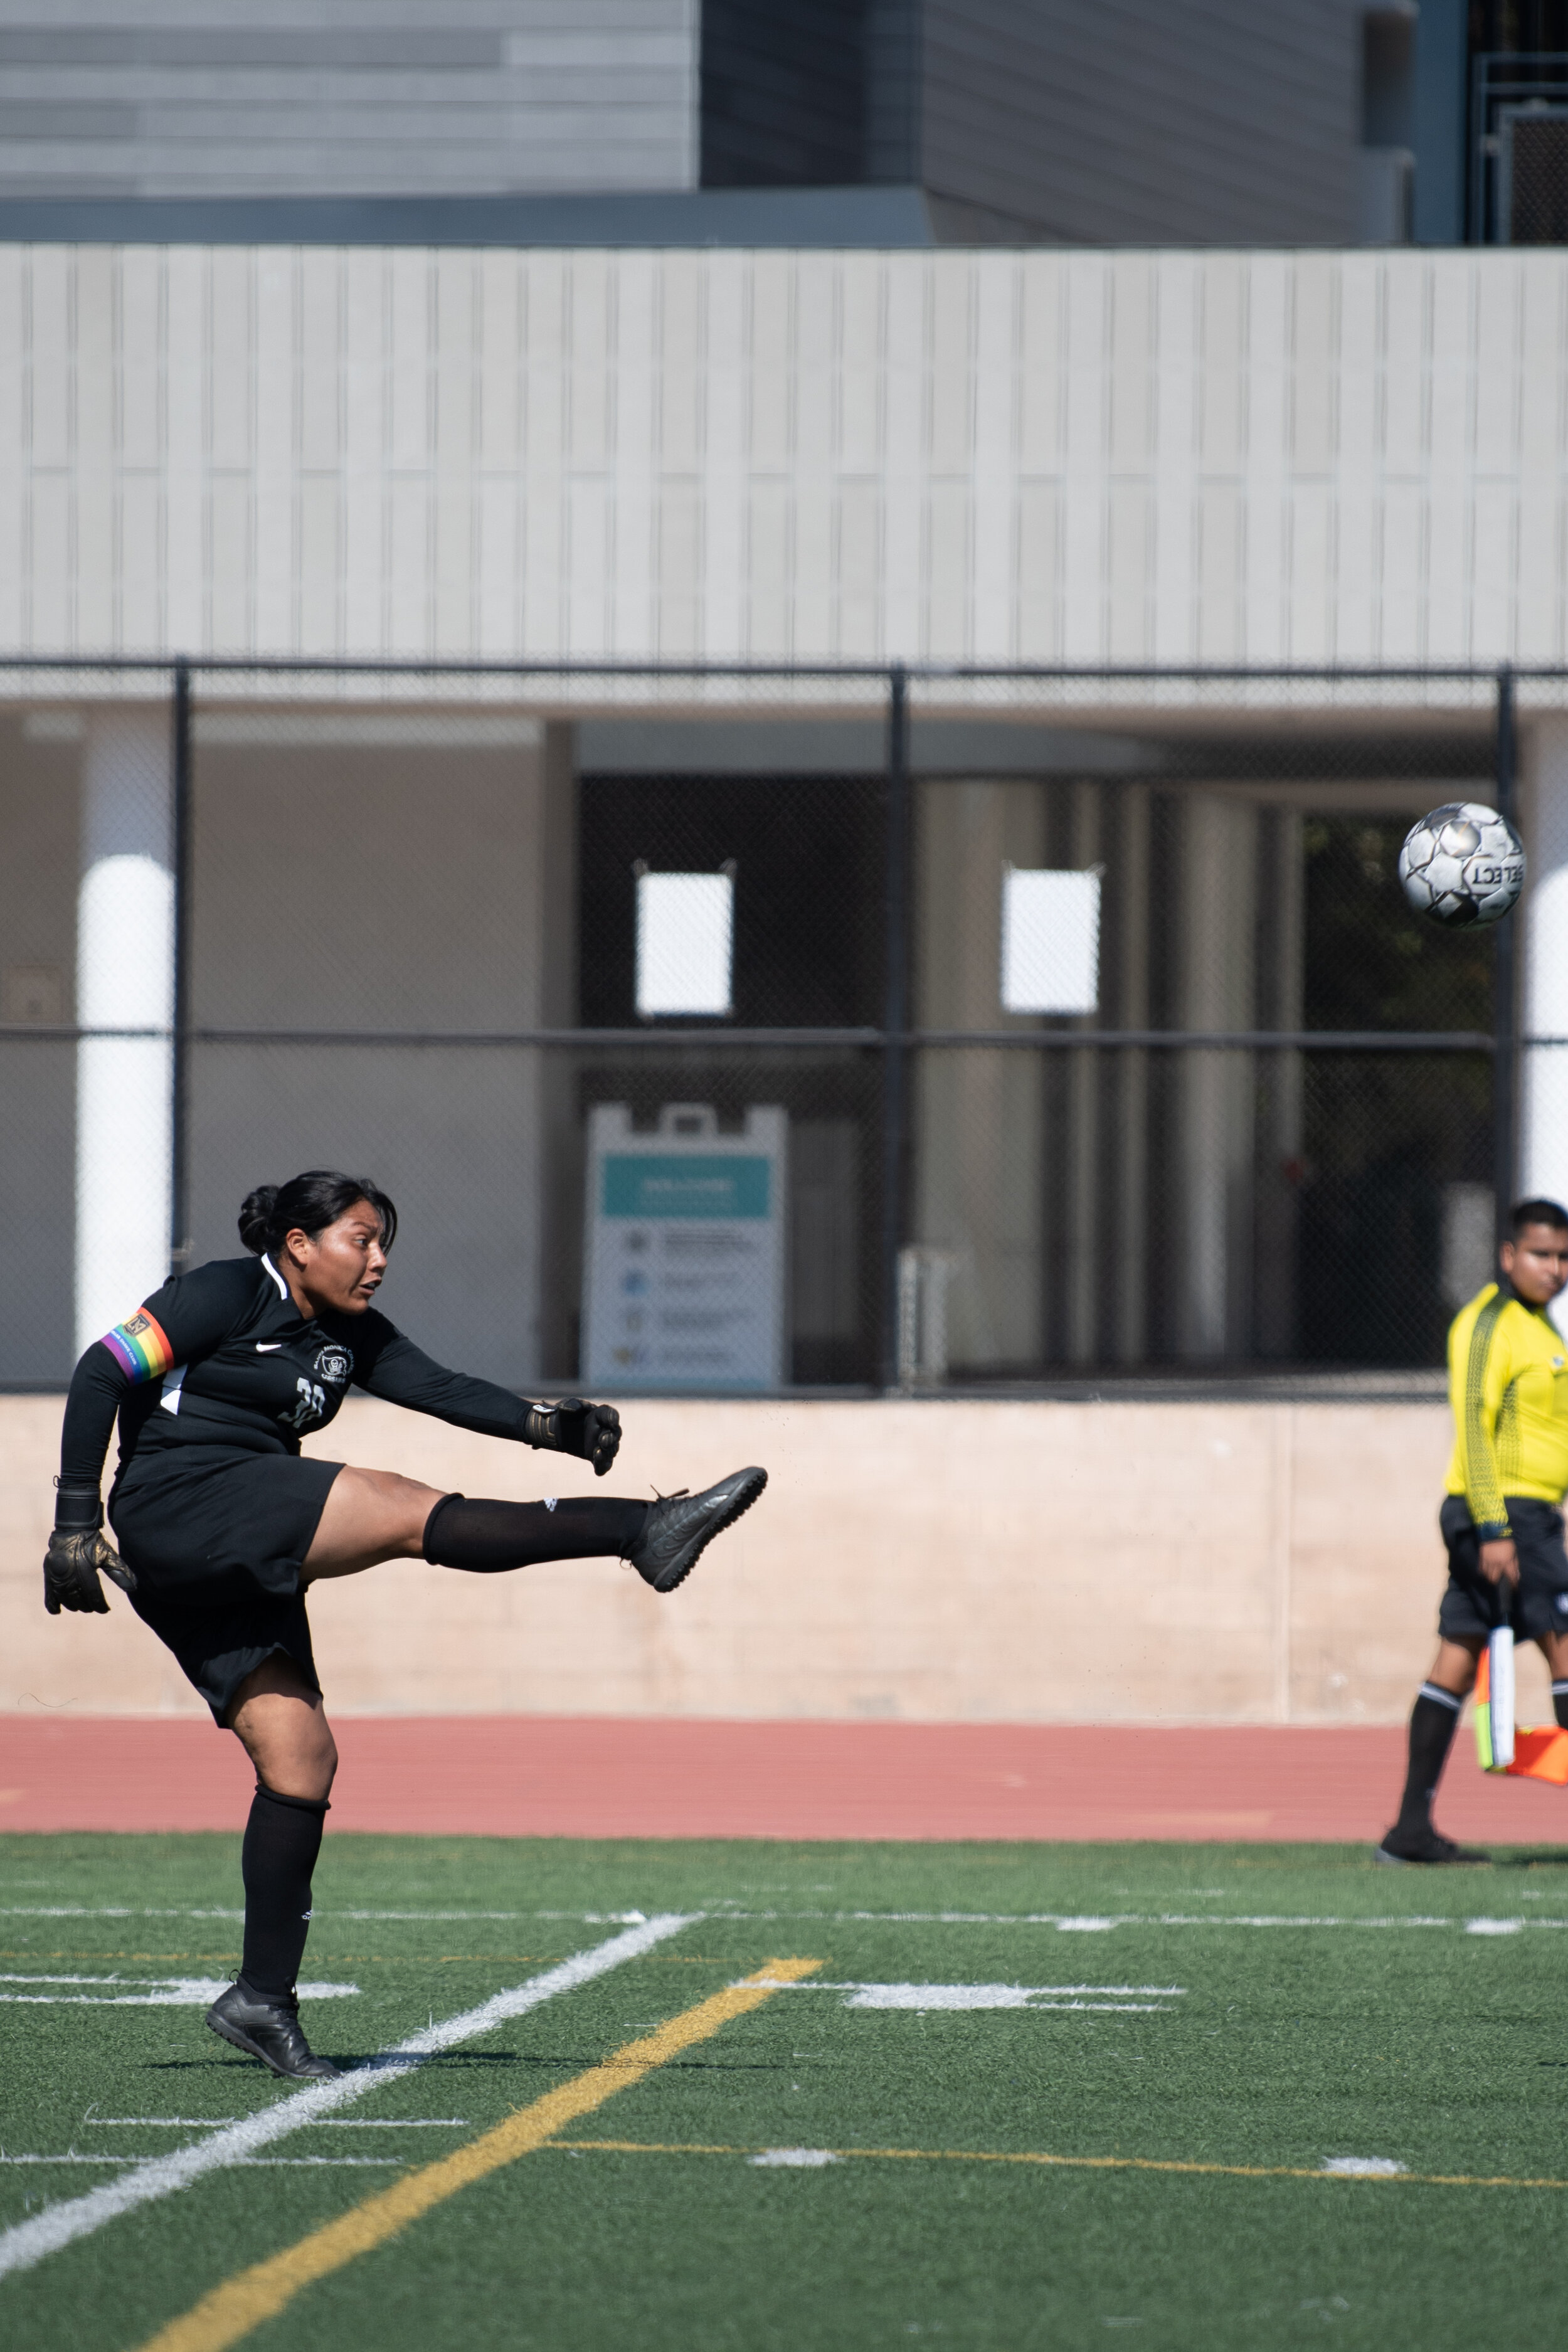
(684, 1256)
(1050, 939)
(686, 942)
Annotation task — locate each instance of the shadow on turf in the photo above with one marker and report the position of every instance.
(454, 2062)
(1546, 1857)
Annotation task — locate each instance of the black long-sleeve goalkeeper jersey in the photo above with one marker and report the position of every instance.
(222, 1357)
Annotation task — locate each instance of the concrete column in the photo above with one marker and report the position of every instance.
(125, 980)
(1544, 1103)
(1130, 1067)
(979, 1177)
(559, 1179)
(1214, 1146)
(1084, 1074)
(1281, 1093)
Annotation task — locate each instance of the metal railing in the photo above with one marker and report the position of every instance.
(1519, 148)
(1279, 731)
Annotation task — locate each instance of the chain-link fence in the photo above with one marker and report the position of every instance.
(1518, 144)
(738, 1030)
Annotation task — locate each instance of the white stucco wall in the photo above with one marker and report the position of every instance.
(1041, 456)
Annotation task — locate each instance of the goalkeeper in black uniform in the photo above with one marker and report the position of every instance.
(1501, 1520)
(222, 1523)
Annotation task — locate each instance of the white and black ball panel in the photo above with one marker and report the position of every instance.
(1462, 864)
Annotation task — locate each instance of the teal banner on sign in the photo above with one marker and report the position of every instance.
(685, 1184)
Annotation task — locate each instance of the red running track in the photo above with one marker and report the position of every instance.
(510, 1776)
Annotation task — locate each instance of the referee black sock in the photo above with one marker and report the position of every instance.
(486, 1537)
(282, 1839)
(1560, 1703)
(1434, 1720)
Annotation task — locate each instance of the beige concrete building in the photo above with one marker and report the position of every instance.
(397, 884)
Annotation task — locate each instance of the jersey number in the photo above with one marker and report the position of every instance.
(313, 1406)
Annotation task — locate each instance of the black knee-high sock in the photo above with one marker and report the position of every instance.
(486, 1537)
(1560, 1703)
(1434, 1720)
(282, 1839)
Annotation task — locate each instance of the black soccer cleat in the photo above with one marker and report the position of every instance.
(678, 1526)
(1423, 1845)
(267, 2026)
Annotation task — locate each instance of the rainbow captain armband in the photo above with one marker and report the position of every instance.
(140, 1347)
(1538, 1754)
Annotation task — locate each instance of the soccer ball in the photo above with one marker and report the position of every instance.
(1462, 864)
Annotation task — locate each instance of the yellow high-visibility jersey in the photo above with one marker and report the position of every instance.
(1507, 1385)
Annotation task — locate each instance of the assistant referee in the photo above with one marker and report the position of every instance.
(222, 1523)
(1502, 1519)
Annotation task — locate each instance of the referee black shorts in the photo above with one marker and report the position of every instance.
(1539, 1605)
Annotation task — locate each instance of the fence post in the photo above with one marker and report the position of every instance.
(895, 1017)
(180, 1158)
(1505, 983)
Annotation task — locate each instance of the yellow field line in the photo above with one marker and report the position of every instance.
(1084, 2163)
(242, 2302)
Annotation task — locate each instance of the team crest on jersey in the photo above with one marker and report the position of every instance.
(333, 1365)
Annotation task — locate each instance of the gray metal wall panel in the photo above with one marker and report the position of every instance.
(784, 93)
(1135, 122)
(346, 97)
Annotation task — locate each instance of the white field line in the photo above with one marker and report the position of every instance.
(1100, 1923)
(931, 1998)
(1114, 1992)
(168, 1992)
(353, 2162)
(26, 2243)
(1067, 1922)
(233, 1911)
(329, 2122)
(113, 1911)
(928, 1997)
(310, 1989)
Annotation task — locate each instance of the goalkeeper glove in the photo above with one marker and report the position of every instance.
(76, 1552)
(591, 1431)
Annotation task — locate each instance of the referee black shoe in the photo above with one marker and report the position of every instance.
(1423, 1845)
(267, 2026)
(678, 1526)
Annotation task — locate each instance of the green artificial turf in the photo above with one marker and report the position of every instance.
(1430, 2045)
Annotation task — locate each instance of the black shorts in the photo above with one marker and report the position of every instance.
(217, 1537)
(211, 1523)
(219, 1648)
(1540, 1604)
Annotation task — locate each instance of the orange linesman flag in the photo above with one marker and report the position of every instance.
(1538, 1754)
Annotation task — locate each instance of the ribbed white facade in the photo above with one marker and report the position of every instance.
(1039, 457)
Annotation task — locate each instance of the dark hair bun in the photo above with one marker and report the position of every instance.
(258, 1218)
(309, 1203)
